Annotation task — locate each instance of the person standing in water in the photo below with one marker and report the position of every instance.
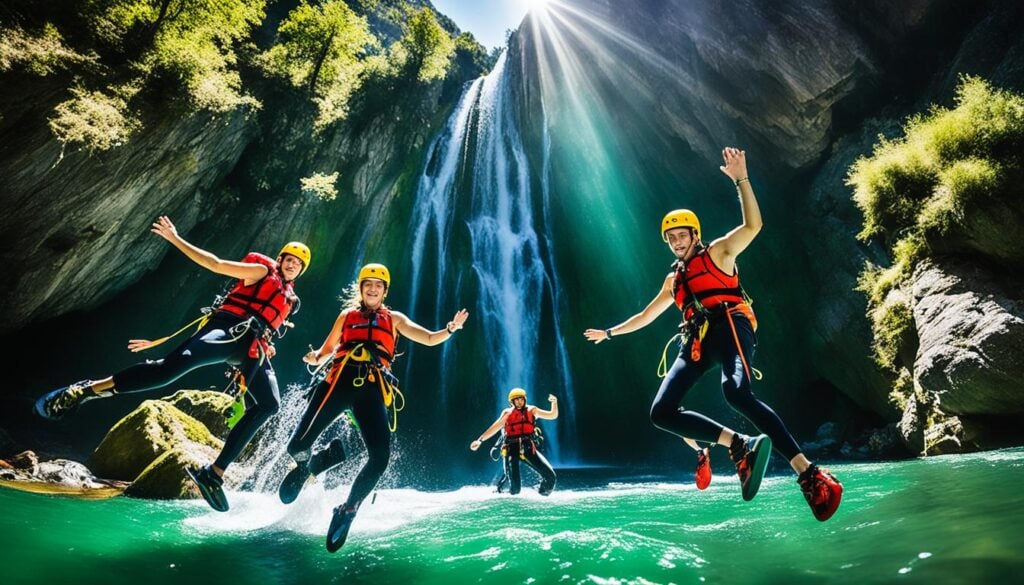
(362, 346)
(519, 423)
(718, 328)
(237, 332)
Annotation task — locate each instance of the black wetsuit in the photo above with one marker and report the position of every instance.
(525, 448)
(209, 346)
(367, 405)
(718, 347)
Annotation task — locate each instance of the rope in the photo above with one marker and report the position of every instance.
(663, 364)
(202, 319)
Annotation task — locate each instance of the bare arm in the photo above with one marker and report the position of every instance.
(491, 430)
(424, 336)
(724, 250)
(317, 356)
(250, 273)
(547, 414)
(642, 319)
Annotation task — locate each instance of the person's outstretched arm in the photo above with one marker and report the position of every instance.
(250, 273)
(725, 249)
(642, 319)
(547, 414)
(491, 430)
(422, 335)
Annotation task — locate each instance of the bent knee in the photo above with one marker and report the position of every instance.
(661, 414)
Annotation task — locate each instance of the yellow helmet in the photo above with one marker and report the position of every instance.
(375, 271)
(516, 393)
(680, 218)
(300, 251)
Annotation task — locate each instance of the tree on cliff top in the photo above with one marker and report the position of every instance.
(428, 46)
(320, 49)
(190, 41)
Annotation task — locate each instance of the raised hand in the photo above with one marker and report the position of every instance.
(457, 321)
(165, 229)
(735, 166)
(552, 399)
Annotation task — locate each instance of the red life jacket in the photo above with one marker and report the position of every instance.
(706, 283)
(269, 298)
(519, 423)
(375, 330)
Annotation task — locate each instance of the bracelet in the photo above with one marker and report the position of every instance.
(608, 332)
(448, 328)
(739, 182)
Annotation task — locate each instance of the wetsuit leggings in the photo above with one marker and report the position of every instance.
(718, 347)
(367, 405)
(526, 450)
(206, 348)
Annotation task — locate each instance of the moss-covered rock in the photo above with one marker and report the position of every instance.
(152, 429)
(206, 406)
(165, 478)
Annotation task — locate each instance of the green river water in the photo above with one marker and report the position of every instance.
(953, 519)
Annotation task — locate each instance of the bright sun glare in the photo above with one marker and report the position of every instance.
(532, 5)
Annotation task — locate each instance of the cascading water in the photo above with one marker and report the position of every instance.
(480, 159)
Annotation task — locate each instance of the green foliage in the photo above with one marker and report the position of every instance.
(323, 187)
(190, 41)
(41, 53)
(471, 58)
(891, 322)
(902, 389)
(320, 48)
(889, 186)
(919, 191)
(93, 120)
(427, 46)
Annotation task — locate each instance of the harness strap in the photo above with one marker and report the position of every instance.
(201, 320)
(728, 315)
(333, 375)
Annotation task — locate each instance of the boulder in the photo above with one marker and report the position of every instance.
(971, 334)
(25, 462)
(59, 476)
(206, 406)
(165, 478)
(152, 429)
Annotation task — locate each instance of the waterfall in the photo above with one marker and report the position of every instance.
(477, 170)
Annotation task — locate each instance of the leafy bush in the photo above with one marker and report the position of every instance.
(93, 120)
(41, 53)
(918, 193)
(321, 186)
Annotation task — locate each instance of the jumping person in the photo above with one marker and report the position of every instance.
(362, 346)
(719, 329)
(238, 332)
(518, 422)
